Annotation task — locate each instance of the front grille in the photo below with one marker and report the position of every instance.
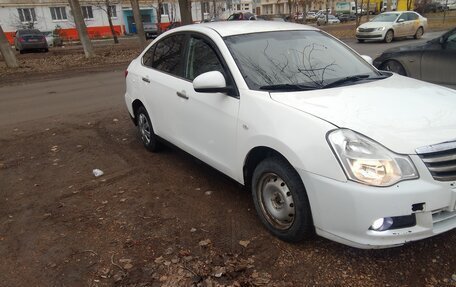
(366, 29)
(440, 159)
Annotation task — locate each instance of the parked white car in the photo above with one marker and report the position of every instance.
(331, 20)
(324, 141)
(390, 25)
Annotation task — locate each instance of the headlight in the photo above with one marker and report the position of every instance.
(368, 162)
(357, 29)
(381, 29)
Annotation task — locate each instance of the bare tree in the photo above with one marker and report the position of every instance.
(139, 23)
(368, 10)
(107, 6)
(185, 11)
(81, 27)
(7, 52)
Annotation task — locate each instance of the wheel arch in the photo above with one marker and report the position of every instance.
(397, 60)
(254, 157)
(135, 106)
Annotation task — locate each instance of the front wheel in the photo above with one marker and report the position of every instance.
(281, 200)
(361, 40)
(419, 33)
(146, 131)
(389, 36)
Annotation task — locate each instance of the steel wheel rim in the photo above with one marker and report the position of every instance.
(276, 201)
(144, 128)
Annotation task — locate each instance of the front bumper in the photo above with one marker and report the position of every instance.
(344, 211)
(370, 35)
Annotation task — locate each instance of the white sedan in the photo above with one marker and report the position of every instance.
(325, 142)
(390, 25)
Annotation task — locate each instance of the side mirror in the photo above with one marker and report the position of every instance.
(367, 59)
(400, 20)
(210, 82)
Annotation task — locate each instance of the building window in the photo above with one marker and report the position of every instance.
(113, 11)
(27, 14)
(87, 12)
(165, 9)
(58, 13)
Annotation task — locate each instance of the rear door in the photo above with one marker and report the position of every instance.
(160, 77)
(413, 23)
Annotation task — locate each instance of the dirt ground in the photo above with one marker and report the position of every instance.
(160, 219)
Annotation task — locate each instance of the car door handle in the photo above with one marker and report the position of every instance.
(182, 95)
(146, 80)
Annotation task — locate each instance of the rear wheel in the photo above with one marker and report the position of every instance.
(146, 131)
(21, 51)
(281, 200)
(419, 33)
(393, 66)
(389, 36)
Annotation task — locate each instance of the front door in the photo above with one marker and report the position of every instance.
(439, 61)
(208, 121)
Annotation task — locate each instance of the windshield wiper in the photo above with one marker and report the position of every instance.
(288, 87)
(349, 79)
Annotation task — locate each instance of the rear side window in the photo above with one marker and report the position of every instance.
(167, 56)
(412, 16)
(148, 57)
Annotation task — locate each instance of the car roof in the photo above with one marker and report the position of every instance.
(230, 28)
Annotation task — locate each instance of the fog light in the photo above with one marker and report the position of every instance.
(382, 224)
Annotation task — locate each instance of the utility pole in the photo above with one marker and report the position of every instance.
(82, 29)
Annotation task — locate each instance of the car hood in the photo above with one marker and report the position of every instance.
(398, 112)
(376, 24)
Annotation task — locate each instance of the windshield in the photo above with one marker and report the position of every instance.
(294, 59)
(385, 17)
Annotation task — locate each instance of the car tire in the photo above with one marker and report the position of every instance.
(361, 40)
(146, 131)
(393, 66)
(419, 33)
(21, 51)
(46, 50)
(281, 200)
(389, 36)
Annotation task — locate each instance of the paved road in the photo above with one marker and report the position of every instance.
(99, 91)
(374, 48)
(83, 94)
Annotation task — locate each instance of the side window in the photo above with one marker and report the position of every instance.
(403, 16)
(412, 16)
(168, 54)
(148, 57)
(451, 42)
(201, 59)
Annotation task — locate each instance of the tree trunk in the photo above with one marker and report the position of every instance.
(7, 52)
(388, 5)
(138, 22)
(202, 11)
(109, 13)
(368, 10)
(81, 27)
(159, 13)
(186, 15)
